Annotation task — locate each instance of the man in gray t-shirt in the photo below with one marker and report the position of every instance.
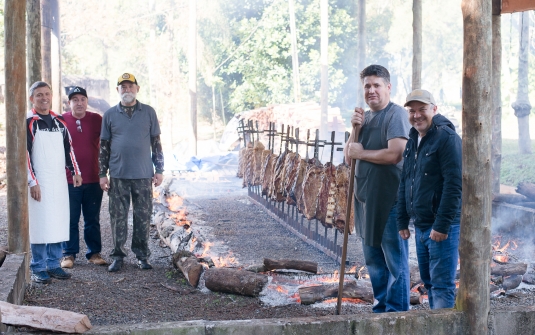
(129, 148)
(383, 133)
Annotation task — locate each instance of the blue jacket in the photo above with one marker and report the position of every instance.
(431, 182)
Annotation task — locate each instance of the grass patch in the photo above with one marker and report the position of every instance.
(516, 167)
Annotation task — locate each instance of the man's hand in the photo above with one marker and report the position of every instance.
(157, 179)
(35, 192)
(104, 184)
(405, 234)
(77, 180)
(355, 150)
(357, 119)
(437, 237)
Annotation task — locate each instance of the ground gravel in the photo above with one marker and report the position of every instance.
(247, 233)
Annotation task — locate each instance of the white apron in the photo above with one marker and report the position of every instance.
(49, 218)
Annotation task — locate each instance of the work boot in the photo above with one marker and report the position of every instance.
(67, 262)
(143, 264)
(59, 273)
(116, 265)
(97, 259)
(41, 277)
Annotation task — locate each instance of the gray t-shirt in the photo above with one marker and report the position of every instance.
(130, 141)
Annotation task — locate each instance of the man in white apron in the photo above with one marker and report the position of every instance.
(49, 151)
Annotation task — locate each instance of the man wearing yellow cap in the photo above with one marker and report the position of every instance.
(131, 150)
(430, 194)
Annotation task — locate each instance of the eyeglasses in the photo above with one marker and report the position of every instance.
(79, 126)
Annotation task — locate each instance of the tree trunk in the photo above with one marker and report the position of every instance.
(189, 265)
(312, 294)
(416, 44)
(44, 318)
(192, 69)
(473, 295)
(15, 75)
(33, 13)
(496, 96)
(55, 58)
(46, 42)
(522, 105)
(272, 264)
(361, 53)
(295, 53)
(324, 9)
(235, 281)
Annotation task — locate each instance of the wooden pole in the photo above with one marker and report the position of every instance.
(55, 58)
(473, 296)
(496, 96)
(192, 68)
(361, 63)
(349, 206)
(46, 32)
(15, 75)
(522, 105)
(416, 44)
(33, 13)
(295, 54)
(324, 9)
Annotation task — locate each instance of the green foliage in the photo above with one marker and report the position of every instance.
(516, 168)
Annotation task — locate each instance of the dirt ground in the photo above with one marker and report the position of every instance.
(248, 233)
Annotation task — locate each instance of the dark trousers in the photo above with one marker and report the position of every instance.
(84, 199)
(120, 193)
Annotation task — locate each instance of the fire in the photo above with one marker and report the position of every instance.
(349, 300)
(501, 258)
(280, 289)
(225, 261)
(180, 218)
(207, 246)
(192, 244)
(175, 203)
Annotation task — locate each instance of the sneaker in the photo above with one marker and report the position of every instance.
(67, 262)
(41, 277)
(97, 259)
(59, 273)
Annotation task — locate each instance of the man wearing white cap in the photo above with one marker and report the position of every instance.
(430, 194)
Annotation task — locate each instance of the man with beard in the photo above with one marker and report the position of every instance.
(430, 193)
(383, 133)
(129, 147)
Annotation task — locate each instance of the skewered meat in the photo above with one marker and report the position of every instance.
(267, 172)
(342, 184)
(278, 175)
(311, 187)
(257, 162)
(326, 196)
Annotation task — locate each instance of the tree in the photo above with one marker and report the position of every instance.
(416, 44)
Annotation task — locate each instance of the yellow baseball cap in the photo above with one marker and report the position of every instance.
(126, 77)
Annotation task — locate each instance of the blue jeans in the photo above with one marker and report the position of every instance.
(438, 264)
(388, 267)
(86, 199)
(45, 256)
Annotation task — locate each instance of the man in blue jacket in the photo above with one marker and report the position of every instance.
(430, 194)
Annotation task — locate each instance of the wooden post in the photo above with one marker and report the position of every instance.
(33, 13)
(496, 96)
(416, 44)
(361, 63)
(324, 9)
(192, 68)
(473, 296)
(46, 33)
(522, 105)
(55, 58)
(15, 75)
(295, 54)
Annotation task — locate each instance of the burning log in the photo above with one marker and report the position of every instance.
(235, 281)
(508, 269)
(186, 262)
(44, 318)
(509, 198)
(511, 282)
(415, 298)
(272, 264)
(527, 189)
(313, 294)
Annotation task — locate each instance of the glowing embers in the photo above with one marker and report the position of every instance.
(499, 253)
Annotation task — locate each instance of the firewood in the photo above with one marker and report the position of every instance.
(313, 294)
(235, 281)
(527, 189)
(272, 264)
(44, 318)
(511, 282)
(509, 198)
(415, 298)
(189, 265)
(508, 269)
(529, 278)
(3, 254)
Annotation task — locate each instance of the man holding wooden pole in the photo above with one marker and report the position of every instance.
(430, 194)
(383, 133)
